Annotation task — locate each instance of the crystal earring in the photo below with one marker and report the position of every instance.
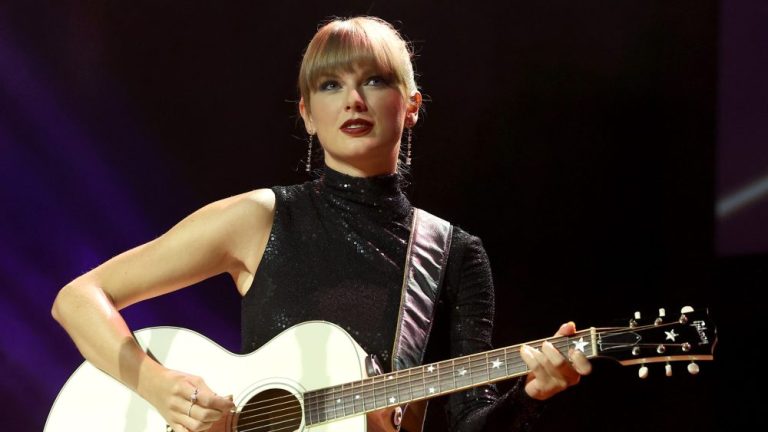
(408, 147)
(309, 153)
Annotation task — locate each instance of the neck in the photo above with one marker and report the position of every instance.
(363, 168)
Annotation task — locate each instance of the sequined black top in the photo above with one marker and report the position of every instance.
(336, 253)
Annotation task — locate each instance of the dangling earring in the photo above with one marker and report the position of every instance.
(309, 153)
(408, 148)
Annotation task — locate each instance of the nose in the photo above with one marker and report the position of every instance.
(355, 101)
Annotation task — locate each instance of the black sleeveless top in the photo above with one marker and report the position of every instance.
(336, 252)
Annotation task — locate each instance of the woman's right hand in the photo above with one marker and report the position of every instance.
(186, 403)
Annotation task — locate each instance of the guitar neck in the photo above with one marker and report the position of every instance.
(432, 380)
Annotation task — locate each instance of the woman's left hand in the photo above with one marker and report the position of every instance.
(550, 372)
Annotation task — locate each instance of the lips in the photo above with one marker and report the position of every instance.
(356, 127)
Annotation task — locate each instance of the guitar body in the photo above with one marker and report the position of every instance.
(311, 355)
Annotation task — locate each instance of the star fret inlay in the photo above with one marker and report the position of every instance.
(580, 344)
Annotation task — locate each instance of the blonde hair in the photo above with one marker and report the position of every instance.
(342, 44)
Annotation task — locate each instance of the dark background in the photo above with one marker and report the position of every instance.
(587, 143)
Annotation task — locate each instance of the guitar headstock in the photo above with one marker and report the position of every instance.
(688, 336)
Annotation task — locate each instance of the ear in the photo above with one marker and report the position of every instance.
(412, 110)
(306, 117)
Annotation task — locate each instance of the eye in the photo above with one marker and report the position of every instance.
(377, 81)
(329, 85)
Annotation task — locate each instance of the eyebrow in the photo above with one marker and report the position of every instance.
(327, 75)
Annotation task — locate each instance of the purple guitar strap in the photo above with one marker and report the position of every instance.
(425, 262)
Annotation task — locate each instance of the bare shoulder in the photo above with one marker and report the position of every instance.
(245, 221)
(223, 227)
(255, 201)
(252, 206)
(264, 199)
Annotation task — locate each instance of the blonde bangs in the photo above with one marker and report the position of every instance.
(342, 45)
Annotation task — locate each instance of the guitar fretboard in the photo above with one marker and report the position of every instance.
(427, 381)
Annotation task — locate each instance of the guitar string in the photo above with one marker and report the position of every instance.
(400, 375)
(270, 424)
(325, 399)
(419, 373)
(292, 407)
(295, 417)
(269, 427)
(405, 379)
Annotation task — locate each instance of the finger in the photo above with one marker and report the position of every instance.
(528, 354)
(206, 397)
(558, 367)
(209, 406)
(581, 363)
(538, 363)
(193, 425)
(187, 392)
(566, 329)
(536, 382)
(221, 404)
(210, 400)
(204, 415)
(553, 355)
(193, 418)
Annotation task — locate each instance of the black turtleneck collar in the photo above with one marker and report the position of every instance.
(381, 195)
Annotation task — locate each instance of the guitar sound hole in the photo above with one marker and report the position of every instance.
(270, 410)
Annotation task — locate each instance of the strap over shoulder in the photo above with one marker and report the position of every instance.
(425, 263)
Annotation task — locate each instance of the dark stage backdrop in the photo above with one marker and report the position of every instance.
(577, 139)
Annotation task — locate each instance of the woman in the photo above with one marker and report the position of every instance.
(333, 249)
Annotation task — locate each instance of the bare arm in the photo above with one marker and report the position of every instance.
(226, 236)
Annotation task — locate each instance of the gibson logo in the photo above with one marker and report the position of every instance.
(701, 328)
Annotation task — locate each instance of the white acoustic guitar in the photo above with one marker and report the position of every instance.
(313, 376)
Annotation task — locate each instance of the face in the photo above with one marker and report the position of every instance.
(359, 117)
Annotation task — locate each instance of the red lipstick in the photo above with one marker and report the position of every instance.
(356, 127)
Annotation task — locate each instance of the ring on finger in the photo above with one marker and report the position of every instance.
(192, 400)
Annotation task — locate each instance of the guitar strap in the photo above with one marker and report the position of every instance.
(425, 261)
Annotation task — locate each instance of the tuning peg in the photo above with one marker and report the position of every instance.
(633, 321)
(693, 368)
(660, 319)
(643, 372)
(683, 311)
(668, 370)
